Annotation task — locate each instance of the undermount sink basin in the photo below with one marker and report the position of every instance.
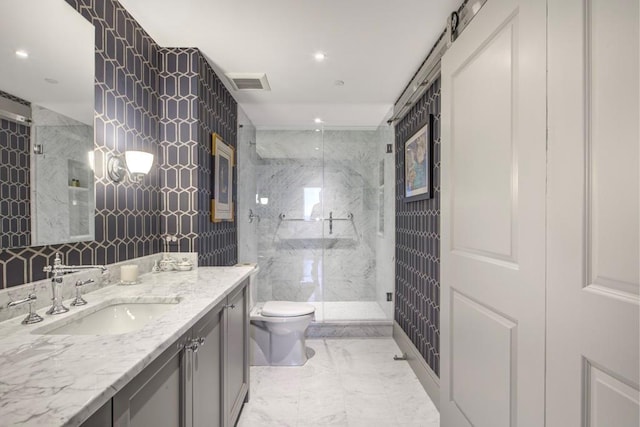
(112, 317)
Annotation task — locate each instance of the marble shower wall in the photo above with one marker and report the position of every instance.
(306, 176)
(63, 213)
(247, 162)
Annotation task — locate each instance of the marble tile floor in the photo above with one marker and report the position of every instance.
(347, 382)
(348, 310)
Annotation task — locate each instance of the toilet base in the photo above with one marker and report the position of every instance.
(270, 349)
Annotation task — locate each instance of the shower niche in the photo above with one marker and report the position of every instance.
(80, 176)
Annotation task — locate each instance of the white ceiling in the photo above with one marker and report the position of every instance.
(374, 46)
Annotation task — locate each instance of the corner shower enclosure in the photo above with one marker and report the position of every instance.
(321, 238)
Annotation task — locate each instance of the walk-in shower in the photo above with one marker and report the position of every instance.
(324, 200)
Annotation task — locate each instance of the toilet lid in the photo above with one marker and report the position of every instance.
(286, 309)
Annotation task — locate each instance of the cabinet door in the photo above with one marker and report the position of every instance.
(100, 418)
(153, 397)
(236, 378)
(207, 368)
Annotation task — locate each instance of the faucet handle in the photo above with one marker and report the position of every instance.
(32, 317)
(31, 297)
(78, 300)
(84, 282)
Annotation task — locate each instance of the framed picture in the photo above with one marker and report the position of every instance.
(418, 159)
(222, 176)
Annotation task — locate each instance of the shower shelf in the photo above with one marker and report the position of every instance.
(330, 219)
(283, 217)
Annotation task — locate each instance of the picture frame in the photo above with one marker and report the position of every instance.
(222, 180)
(418, 164)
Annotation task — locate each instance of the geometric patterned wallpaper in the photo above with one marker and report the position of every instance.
(194, 104)
(218, 112)
(179, 135)
(15, 197)
(417, 299)
(163, 101)
(126, 116)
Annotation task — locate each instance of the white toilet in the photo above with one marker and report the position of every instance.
(278, 331)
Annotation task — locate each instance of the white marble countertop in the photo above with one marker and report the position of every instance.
(61, 380)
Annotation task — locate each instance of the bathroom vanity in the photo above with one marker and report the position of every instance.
(188, 366)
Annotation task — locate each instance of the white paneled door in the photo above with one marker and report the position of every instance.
(493, 219)
(593, 255)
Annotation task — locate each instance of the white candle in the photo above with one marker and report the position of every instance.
(129, 273)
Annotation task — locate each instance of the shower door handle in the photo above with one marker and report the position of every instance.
(330, 222)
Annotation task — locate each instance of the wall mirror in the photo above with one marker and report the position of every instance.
(47, 73)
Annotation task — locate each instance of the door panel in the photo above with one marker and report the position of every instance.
(593, 199)
(476, 366)
(493, 218)
(483, 177)
(611, 402)
(612, 109)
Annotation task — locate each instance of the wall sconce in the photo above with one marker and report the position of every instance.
(135, 165)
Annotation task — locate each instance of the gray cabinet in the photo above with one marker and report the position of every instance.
(100, 418)
(206, 360)
(236, 355)
(154, 397)
(201, 380)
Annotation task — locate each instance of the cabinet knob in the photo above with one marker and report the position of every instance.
(230, 306)
(192, 346)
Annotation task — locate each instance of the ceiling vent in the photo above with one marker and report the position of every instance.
(249, 81)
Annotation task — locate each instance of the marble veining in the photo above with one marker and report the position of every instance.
(247, 181)
(42, 288)
(346, 383)
(62, 379)
(318, 259)
(63, 213)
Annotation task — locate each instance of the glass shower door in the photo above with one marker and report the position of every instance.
(321, 237)
(289, 203)
(352, 228)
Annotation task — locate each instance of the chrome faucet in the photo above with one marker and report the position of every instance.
(58, 270)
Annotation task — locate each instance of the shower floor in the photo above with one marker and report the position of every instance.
(348, 310)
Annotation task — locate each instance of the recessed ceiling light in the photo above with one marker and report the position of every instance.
(318, 120)
(320, 56)
(22, 53)
(318, 148)
(317, 130)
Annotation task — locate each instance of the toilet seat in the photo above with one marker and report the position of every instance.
(286, 309)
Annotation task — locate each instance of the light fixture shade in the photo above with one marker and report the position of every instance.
(138, 162)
